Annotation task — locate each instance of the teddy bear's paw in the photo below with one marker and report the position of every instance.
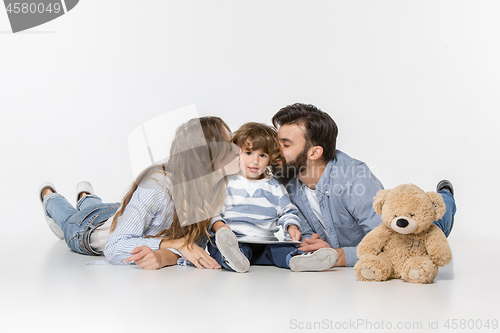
(419, 270)
(441, 259)
(372, 268)
(368, 273)
(414, 274)
(418, 275)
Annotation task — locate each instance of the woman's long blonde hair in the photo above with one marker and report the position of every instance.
(197, 146)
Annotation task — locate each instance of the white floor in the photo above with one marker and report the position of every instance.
(46, 287)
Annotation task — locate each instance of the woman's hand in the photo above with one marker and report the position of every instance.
(198, 256)
(192, 252)
(146, 258)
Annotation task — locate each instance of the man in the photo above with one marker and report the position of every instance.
(333, 192)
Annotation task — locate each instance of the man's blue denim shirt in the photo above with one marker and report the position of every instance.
(345, 191)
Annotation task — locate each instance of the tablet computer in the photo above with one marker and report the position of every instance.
(265, 240)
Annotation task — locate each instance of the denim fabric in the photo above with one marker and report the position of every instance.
(444, 223)
(78, 224)
(345, 191)
(278, 255)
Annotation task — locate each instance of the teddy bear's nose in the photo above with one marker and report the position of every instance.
(402, 223)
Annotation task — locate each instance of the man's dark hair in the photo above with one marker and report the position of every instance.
(320, 128)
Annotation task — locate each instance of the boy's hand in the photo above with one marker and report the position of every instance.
(294, 232)
(219, 224)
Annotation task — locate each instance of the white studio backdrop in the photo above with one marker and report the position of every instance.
(413, 86)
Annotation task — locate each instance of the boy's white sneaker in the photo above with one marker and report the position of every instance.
(318, 260)
(227, 243)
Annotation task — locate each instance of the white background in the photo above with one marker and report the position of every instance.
(413, 86)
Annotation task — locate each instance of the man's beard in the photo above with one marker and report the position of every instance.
(289, 170)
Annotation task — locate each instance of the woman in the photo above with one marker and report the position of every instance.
(167, 214)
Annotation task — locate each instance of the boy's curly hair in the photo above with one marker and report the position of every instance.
(253, 136)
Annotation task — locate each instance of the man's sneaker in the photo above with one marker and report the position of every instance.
(227, 243)
(50, 222)
(318, 260)
(447, 186)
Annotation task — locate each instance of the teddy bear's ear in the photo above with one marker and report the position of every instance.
(437, 201)
(379, 200)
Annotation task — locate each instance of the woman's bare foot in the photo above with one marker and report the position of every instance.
(82, 194)
(46, 192)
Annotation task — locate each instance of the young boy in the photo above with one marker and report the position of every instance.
(256, 203)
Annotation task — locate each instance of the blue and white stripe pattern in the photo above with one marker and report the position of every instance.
(150, 211)
(257, 207)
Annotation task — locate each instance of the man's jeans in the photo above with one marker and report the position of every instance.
(78, 224)
(444, 223)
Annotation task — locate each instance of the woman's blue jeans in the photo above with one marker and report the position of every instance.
(78, 224)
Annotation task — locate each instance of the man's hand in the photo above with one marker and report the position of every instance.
(312, 244)
(294, 232)
(316, 242)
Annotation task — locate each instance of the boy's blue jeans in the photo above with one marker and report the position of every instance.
(78, 224)
(259, 254)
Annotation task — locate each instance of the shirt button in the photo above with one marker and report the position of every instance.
(326, 191)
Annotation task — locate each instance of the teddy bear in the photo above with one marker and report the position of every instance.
(406, 245)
